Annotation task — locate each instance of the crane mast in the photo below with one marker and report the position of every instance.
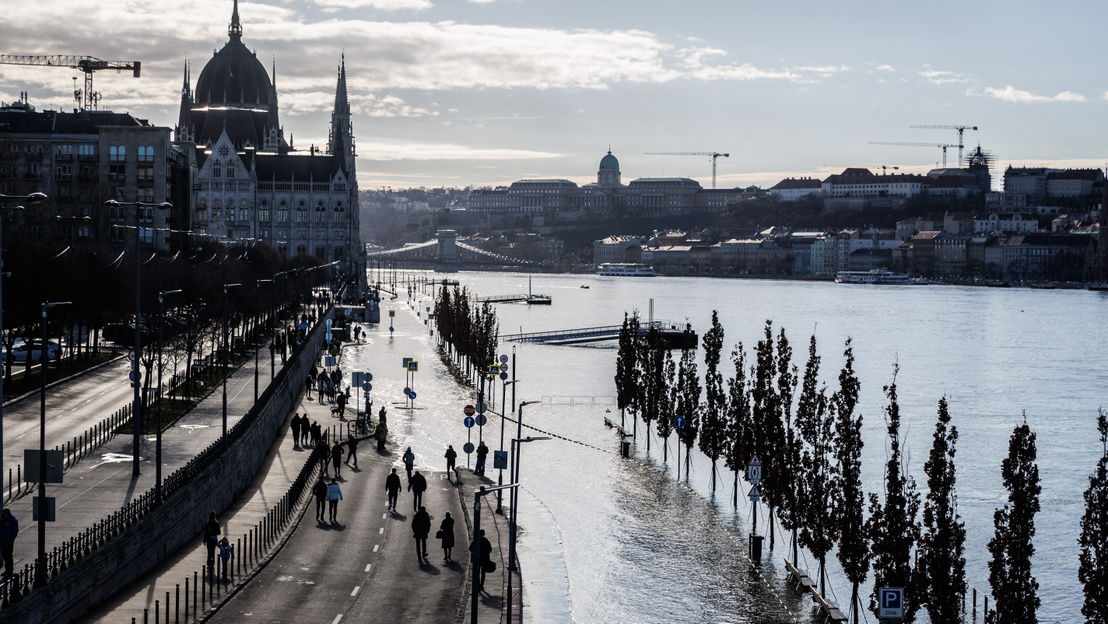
(961, 130)
(944, 146)
(85, 64)
(714, 156)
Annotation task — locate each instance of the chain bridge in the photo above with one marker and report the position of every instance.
(446, 251)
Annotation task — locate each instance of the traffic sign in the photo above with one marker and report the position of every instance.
(329, 361)
(134, 375)
(131, 355)
(469, 411)
(304, 325)
(367, 386)
(369, 376)
(406, 360)
(890, 602)
(481, 420)
(504, 376)
(407, 389)
(503, 368)
(500, 459)
(392, 329)
(413, 367)
(468, 422)
(468, 448)
(503, 359)
(755, 494)
(481, 407)
(493, 369)
(392, 313)
(754, 471)
(411, 395)
(679, 422)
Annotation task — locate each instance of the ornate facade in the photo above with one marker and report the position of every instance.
(251, 182)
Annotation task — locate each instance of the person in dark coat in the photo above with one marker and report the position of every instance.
(484, 558)
(9, 530)
(418, 485)
(352, 441)
(308, 387)
(393, 487)
(381, 433)
(451, 456)
(446, 534)
(409, 463)
(421, 526)
(317, 433)
(336, 456)
(211, 537)
(319, 490)
(482, 453)
(296, 429)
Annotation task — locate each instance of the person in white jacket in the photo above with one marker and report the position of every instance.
(334, 495)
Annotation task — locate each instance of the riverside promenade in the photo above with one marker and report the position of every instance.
(101, 483)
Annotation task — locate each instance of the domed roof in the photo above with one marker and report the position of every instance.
(234, 76)
(609, 162)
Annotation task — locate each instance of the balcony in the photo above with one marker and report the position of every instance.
(88, 157)
(63, 157)
(34, 155)
(63, 177)
(88, 177)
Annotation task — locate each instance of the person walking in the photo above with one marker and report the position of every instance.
(451, 456)
(392, 486)
(317, 433)
(319, 490)
(296, 429)
(409, 463)
(446, 535)
(482, 453)
(484, 558)
(322, 389)
(9, 530)
(336, 456)
(352, 441)
(341, 401)
(305, 430)
(211, 537)
(334, 495)
(381, 433)
(421, 526)
(308, 386)
(418, 485)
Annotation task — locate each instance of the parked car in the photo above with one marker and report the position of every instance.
(20, 349)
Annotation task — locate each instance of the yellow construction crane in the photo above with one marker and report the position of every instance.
(86, 64)
(960, 129)
(714, 156)
(942, 145)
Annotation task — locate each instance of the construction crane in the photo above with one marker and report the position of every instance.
(884, 168)
(960, 129)
(714, 156)
(86, 64)
(942, 145)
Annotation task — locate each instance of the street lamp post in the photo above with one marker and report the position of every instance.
(44, 356)
(33, 198)
(475, 548)
(515, 479)
(226, 353)
(158, 444)
(137, 408)
(257, 337)
(517, 444)
(500, 474)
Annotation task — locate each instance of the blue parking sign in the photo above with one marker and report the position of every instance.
(890, 602)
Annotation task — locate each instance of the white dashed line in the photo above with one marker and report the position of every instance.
(355, 592)
(384, 515)
(381, 531)
(367, 566)
(375, 547)
(337, 618)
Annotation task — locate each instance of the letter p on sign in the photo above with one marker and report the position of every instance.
(891, 602)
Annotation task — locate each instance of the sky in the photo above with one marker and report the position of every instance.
(486, 92)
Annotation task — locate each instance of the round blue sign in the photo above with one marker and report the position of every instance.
(481, 407)
(411, 395)
(481, 420)
(468, 422)
(679, 422)
(468, 448)
(392, 329)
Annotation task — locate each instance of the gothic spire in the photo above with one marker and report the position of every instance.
(341, 144)
(234, 31)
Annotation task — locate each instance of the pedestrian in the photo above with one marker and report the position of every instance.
(322, 388)
(308, 386)
(336, 456)
(319, 490)
(211, 537)
(446, 535)
(409, 462)
(296, 429)
(381, 433)
(482, 453)
(417, 485)
(317, 433)
(484, 558)
(305, 430)
(9, 530)
(352, 441)
(382, 415)
(226, 550)
(450, 456)
(392, 486)
(334, 495)
(342, 405)
(421, 526)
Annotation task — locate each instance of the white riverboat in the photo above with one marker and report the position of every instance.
(875, 276)
(625, 270)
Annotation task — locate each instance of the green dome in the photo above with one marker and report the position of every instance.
(609, 162)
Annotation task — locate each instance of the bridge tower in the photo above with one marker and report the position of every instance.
(447, 247)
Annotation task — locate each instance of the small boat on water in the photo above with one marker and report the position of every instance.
(584, 286)
(621, 269)
(876, 276)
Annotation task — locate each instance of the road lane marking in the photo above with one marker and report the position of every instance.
(381, 531)
(375, 547)
(367, 566)
(384, 515)
(355, 592)
(337, 618)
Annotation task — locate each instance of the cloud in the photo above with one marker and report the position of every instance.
(943, 77)
(445, 151)
(384, 5)
(885, 68)
(1013, 95)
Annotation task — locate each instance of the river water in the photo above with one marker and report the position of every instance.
(605, 539)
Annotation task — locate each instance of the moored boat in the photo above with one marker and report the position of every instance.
(621, 269)
(875, 276)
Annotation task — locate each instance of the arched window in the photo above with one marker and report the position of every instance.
(244, 210)
(202, 210)
(301, 250)
(217, 209)
(339, 212)
(320, 253)
(263, 212)
(283, 212)
(338, 254)
(301, 212)
(320, 212)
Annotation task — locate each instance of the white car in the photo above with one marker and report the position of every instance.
(20, 349)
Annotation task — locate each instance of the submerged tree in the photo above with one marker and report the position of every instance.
(739, 445)
(892, 526)
(942, 562)
(713, 432)
(848, 510)
(816, 470)
(667, 397)
(687, 398)
(1010, 575)
(1093, 572)
(627, 366)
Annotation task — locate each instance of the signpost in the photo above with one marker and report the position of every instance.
(754, 476)
(890, 603)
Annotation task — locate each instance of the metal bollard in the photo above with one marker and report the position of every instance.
(157, 613)
(146, 616)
